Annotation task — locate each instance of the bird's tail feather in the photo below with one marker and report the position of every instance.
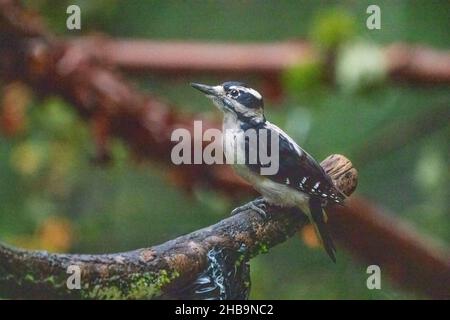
(317, 217)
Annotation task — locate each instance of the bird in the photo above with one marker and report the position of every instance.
(299, 182)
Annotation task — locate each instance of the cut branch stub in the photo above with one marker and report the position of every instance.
(342, 172)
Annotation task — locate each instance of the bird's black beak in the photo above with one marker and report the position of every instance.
(208, 90)
(216, 94)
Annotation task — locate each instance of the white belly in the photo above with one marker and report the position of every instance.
(275, 193)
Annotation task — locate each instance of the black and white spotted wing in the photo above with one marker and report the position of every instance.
(296, 167)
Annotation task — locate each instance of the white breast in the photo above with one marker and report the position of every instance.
(232, 138)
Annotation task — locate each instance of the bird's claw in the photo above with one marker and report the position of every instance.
(260, 209)
(237, 210)
(258, 205)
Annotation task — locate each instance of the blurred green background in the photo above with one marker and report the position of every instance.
(52, 195)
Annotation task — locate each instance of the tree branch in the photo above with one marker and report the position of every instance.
(405, 63)
(144, 273)
(162, 269)
(103, 98)
(376, 237)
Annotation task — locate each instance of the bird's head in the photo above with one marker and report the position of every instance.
(235, 98)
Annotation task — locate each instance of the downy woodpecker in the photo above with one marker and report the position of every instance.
(299, 182)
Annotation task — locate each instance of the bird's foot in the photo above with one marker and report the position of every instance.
(237, 210)
(260, 208)
(259, 205)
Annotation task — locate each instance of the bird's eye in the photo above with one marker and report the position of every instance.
(234, 93)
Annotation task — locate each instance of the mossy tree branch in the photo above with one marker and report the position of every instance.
(148, 273)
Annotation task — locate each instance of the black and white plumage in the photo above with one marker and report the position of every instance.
(299, 182)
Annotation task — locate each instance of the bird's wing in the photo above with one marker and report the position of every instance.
(296, 167)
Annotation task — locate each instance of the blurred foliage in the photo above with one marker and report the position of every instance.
(304, 80)
(53, 197)
(332, 27)
(360, 66)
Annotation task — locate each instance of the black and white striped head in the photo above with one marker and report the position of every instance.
(235, 98)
